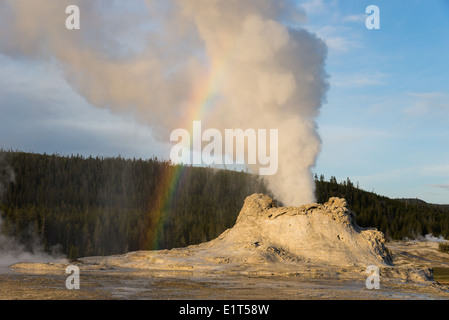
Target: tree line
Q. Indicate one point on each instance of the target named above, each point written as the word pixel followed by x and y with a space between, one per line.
pixel 103 206
pixel 396 218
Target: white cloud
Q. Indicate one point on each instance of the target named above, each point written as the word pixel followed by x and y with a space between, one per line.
pixel 40 112
pixel 336 29
pixel 440 186
pixel 313 6
pixel 359 79
pixel 341 136
pixel 338 38
pixel 338 44
pixel 431 103
pixel 358 18
pixel 438 170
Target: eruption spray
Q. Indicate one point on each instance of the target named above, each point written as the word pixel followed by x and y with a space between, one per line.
pixel 227 63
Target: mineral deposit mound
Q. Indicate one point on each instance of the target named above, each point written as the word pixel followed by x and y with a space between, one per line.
pixel 265 236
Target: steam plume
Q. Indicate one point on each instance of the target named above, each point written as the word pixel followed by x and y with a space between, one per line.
pixel 12 250
pixel 160 59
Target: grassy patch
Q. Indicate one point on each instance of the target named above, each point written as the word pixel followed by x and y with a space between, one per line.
pixel 441 275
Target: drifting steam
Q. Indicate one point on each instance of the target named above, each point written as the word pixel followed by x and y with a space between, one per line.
pixel 227 63
pixel 12 250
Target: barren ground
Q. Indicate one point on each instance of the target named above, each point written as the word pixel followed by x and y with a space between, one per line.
pixel 49 282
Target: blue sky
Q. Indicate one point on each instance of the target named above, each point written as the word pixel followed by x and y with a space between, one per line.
pixel 386 120
pixel 385 124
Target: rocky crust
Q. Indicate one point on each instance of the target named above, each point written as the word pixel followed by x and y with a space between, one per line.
pixel 317 233
pixel 267 238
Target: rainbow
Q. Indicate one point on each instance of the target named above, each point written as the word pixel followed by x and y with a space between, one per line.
pixel 170 183
pixel 199 107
